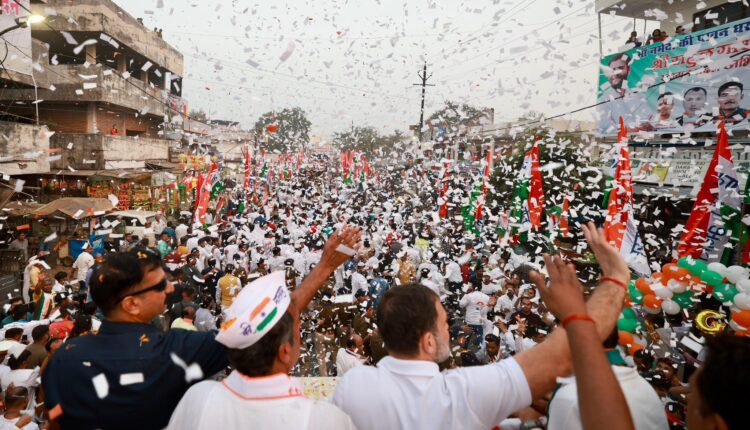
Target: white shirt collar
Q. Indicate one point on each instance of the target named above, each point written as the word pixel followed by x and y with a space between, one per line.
pixel 263 387
pixel 409 367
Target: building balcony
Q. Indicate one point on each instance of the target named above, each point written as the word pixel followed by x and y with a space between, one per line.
pixel 93 18
pixel 93 83
pixel 103 152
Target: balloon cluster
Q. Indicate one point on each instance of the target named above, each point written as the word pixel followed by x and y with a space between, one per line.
pixel 626 327
pixel 673 289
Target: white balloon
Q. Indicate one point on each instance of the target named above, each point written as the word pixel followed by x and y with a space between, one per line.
pixel 718 268
pixel 662 292
pixel 677 286
pixel 742 300
pixel 743 285
pixel 735 273
pixel 670 307
pixel 651 311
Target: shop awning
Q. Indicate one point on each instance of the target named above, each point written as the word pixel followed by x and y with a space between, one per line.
pixel 76 207
pixel 124 174
pixel 17 208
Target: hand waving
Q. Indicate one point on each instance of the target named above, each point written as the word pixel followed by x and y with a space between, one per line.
pixel 564 295
pixel 346 236
pixel 608 256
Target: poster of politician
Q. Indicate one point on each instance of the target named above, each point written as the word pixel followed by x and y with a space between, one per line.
pixel 684 84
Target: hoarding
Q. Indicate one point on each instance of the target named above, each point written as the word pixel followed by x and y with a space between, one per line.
pixel 684 84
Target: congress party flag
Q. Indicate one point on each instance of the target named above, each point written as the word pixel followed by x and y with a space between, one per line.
pixel 528 197
pixel 714 224
pixel 620 226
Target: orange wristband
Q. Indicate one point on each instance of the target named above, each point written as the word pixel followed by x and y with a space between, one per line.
pixel 576 317
pixel 614 281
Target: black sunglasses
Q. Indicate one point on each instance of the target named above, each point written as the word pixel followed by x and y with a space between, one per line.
pixel 161 286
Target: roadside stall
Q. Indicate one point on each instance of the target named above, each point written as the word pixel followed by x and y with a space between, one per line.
pixel 131 187
pixel 15 217
pixel 166 195
pixel 80 216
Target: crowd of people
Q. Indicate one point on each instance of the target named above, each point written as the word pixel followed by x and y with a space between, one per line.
pixel 425 324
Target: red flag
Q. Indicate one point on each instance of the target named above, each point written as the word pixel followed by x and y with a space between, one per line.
pixel 705 216
pixel 536 195
pixel 246 185
pixel 564 232
pixel 205 195
pixel 621 196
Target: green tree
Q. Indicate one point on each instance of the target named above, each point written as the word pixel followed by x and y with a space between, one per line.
pixel 453 115
pixel 198 115
pixel 566 165
pixel 364 139
pixel 292 129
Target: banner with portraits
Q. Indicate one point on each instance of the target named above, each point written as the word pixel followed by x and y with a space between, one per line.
pixel 684 84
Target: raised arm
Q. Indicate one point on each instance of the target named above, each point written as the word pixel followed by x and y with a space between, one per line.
pixel 600 398
pixel 329 261
pixel 551 358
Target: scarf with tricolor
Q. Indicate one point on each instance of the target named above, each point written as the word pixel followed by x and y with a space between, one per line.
pixel 43 306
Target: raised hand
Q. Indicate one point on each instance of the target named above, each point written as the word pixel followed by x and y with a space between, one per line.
pixel 332 256
pixel 609 258
pixel 564 296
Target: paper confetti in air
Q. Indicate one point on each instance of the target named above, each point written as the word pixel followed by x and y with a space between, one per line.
pixel 101 385
pixel 193 372
pixel 131 378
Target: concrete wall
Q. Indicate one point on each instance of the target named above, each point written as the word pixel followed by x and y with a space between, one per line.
pixel 126 121
pixel 92 151
pixel 230 150
pixel 118 148
pixel 24 149
pixel 106 17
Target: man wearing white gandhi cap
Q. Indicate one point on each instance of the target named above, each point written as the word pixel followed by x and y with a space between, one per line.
pixel 262 336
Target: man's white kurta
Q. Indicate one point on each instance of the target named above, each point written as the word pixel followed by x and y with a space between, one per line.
pixel 272 403
pixel 645 407
pixel 346 360
pixel 412 394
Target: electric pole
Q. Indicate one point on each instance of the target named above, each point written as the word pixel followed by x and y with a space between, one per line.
pixel 424 85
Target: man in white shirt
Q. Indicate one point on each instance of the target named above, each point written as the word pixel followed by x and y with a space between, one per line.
pixel 349 357
pixel 359 281
pixel 180 231
pixel 192 243
pixel 506 302
pixel 407 383
pixel 476 303
pixel 645 407
pixel 83 263
pixel 262 335
pixel 489 286
pixel 159 224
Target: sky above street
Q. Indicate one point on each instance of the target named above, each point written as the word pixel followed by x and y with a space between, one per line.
pixel 351 61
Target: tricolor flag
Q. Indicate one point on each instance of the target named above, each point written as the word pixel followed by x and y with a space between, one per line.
pixel 620 226
pixel 204 194
pixel 563 225
pixel 528 197
pixel 246 184
pixel 713 228
pixel 443 199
